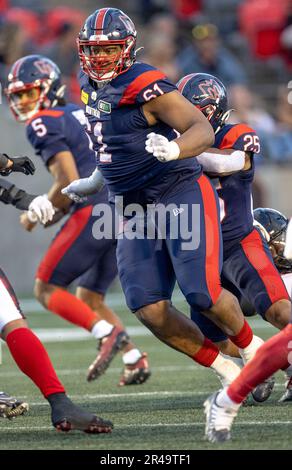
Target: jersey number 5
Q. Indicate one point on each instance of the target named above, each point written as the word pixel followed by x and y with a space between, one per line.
pixel 39 127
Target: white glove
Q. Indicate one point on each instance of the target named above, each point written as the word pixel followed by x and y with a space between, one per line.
pixel 79 189
pixel 161 147
pixel 40 210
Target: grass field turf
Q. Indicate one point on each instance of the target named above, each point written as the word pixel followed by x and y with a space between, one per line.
pixel 164 413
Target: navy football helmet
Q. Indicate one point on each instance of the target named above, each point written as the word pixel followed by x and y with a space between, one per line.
pixel 208 94
pixel 273 226
pixel 40 79
pixel 102 32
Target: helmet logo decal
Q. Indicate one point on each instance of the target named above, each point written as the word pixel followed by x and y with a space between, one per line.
pixel 43 66
pixel 127 22
pixel 209 88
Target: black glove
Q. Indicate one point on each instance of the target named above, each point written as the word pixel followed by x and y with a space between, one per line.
pixel 20 164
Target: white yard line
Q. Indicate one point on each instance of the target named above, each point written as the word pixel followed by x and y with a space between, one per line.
pixel 111 370
pixel 97 396
pixel 117 299
pixel 153 425
pixel 51 335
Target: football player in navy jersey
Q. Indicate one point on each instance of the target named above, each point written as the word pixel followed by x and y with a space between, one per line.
pixel 55 130
pixel 248 267
pixel 25 348
pixel 132 111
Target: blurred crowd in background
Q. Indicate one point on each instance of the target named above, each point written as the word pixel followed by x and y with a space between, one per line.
pixel 246 43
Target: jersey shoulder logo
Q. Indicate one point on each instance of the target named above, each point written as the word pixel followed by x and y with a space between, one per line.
pixel 104 106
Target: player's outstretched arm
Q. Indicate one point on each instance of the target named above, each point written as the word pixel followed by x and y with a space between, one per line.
pixel 79 189
pixel 223 162
pixel 16 164
pixel 39 207
pixel 196 133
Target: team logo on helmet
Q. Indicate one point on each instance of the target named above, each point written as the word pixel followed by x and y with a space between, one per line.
pixel 208 94
pixel 44 67
pixel 210 88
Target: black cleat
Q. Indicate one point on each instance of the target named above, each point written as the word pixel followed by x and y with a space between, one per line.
pixel 66 417
pixel 109 346
pixel 288 394
pixel 263 391
pixel 11 407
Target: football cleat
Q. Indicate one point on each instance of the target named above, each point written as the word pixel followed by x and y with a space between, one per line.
pixel 135 374
pixel 11 407
pixel 109 346
pixel 263 391
pixel 67 417
pixel 288 394
pixel 218 420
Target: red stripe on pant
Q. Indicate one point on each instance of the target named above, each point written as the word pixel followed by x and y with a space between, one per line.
pixel 63 241
pixel 253 248
pixel 212 237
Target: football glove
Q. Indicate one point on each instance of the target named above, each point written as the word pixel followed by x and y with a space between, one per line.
pixel 40 210
pixel 19 165
pixel 161 147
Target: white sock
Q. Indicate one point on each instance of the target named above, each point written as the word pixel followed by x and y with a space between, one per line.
pixel 132 356
pixel 249 352
pixel 226 369
pixel 237 360
pixel 224 400
pixel 101 328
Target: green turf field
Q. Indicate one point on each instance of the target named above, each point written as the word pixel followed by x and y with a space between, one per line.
pixel 164 413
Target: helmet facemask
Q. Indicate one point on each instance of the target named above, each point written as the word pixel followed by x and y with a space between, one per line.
pixel 105 67
pixel 211 111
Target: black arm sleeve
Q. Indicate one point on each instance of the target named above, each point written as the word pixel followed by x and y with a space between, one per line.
pixel 11 194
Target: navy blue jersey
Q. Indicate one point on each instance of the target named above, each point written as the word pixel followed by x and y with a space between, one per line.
pixel 235 191
pixel 118 130
pixel 60 129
